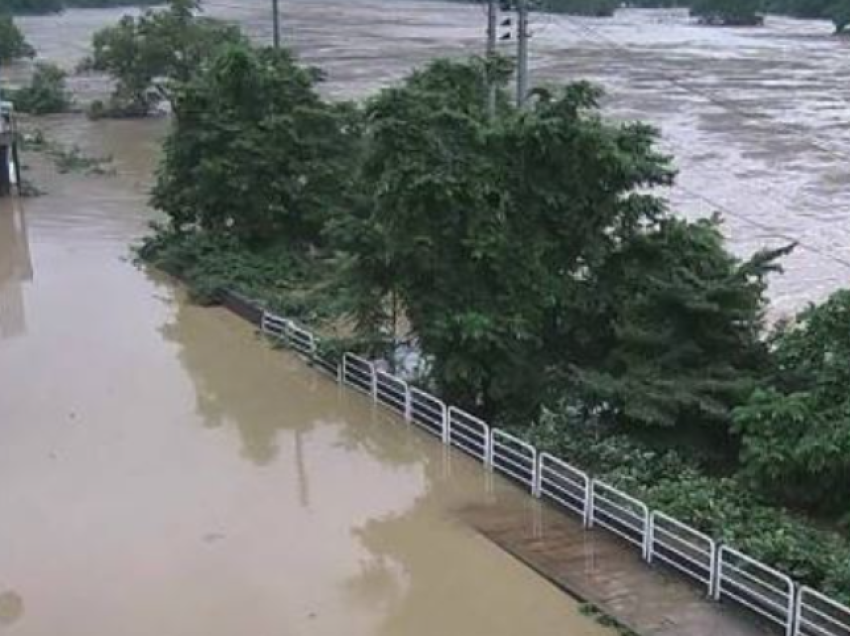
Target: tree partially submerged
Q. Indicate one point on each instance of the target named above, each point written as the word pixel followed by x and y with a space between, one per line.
pixel 529 257
pixel 46 93
pixel 254 151
pixel 13 45
pixel 145 55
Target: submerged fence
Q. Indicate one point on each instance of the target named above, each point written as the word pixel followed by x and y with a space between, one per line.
pixel 726 574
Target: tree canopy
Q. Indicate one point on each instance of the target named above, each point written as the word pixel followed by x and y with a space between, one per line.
pixel 145 54
pixel 13 45
pixel 255 151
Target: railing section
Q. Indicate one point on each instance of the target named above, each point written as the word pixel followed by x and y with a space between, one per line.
pixel 756 586
pixel 513 457
pixel 819 615
pixel 564 484
pixel 620 513
pixel 469 434
pixel 392 392
pixel 274 326
pixel 680 546
pixel 358 373
pixel 429 413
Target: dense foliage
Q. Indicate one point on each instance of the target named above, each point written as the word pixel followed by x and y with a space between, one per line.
pixel 255 152
pixel 46 92
pixel 145 54
pixel 796 432
pixel 13 45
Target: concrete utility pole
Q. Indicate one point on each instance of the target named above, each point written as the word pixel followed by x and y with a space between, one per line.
pixel 492 27
pixel 522 53
pixel 276 20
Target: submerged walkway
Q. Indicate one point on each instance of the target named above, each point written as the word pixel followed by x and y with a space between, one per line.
pixel 598 568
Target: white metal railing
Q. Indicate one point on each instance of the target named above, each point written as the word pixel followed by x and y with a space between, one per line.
pixel 429 413
pixel 564 484
pixel 818 615
pixel 728 574
pixel 300 339
pixel 756 586
pixel 469 434
pixel 513 457
pixel 359 373
pixel 620 513
pixel 274 326
pixel 680 546
pixel 392 392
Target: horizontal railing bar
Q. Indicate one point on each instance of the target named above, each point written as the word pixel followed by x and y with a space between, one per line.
pixel 702 578
pixel 517 465
pixel 780 607
pixel 625 535
pixel 752 577
pixel 682 555
pixel 830 619
pixel 782 620
pixel 524 452
pixel 707 551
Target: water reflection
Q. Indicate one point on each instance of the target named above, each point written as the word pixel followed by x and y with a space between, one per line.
pixel 15 268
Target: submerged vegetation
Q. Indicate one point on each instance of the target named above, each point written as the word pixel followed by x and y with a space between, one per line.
pixel 46 93
pixel 13 45
pixel 145 55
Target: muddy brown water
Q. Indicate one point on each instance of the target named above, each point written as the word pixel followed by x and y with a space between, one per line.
pixel 162 471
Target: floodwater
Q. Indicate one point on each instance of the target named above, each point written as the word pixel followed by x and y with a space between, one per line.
pixel 163 471
pixel 758 119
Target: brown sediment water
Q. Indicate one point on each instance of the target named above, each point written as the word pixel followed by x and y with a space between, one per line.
pixel 163 471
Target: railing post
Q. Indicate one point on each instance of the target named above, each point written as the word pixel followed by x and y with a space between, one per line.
pixel 648 537
pixel 537 488
pixel 718 573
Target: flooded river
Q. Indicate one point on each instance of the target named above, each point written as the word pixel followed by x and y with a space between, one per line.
pixel 758 118
pixel 164 472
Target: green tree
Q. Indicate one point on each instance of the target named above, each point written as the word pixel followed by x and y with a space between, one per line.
pixel 254 151
pixel 681 344
pixel 145 54
pixel 13 45
pixel 796 432
pixel 528 257
pixel 46 92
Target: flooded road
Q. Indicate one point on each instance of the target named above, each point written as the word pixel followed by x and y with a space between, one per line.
pixel 757 118
pixel 163 471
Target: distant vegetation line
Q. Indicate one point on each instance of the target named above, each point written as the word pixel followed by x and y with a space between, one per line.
pixel 720 12
pixel 54 6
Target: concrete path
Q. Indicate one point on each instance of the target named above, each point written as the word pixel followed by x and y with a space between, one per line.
pixel 599 568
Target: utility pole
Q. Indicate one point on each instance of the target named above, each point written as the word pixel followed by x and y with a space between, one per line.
pixel 522 53
pixel 492 27
pixel 276 20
